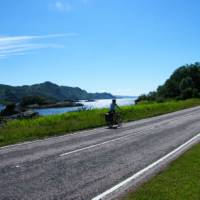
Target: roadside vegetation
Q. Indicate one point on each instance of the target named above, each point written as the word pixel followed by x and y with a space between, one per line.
pixel 181 181
pixel 22 130
pixel 184 83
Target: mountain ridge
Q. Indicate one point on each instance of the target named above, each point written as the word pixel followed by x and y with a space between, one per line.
pixel 49 91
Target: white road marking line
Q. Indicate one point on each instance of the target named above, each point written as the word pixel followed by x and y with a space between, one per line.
pixel 113 140
pixel 106 142
pixel 95 145
pixel 151 166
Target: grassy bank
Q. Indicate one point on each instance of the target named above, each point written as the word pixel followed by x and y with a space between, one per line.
pixel 181 181
pixel 23 130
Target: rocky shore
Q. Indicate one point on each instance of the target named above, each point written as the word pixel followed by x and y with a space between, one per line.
pixel 13 111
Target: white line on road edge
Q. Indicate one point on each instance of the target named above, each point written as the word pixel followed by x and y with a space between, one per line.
pixel 179 150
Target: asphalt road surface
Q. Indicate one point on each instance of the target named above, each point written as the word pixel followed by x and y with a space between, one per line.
pixel 81 166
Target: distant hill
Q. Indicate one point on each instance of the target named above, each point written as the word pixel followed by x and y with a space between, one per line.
pixel 47 90
pixel 184 83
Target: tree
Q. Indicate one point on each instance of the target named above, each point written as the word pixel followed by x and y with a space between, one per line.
pixel 9 96
pixel 30 100
pixel 184 83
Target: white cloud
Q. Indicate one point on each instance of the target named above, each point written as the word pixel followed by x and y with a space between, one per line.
pixel 61 6
pixel 20 45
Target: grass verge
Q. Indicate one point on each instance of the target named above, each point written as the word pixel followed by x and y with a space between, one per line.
pixel 181 180
pixel 22 130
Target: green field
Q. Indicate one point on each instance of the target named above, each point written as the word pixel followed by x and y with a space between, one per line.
pixel 22 130
pixel 181 181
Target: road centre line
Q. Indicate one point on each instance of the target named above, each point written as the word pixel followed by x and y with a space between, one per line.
pixel 106 142
pixel 129 134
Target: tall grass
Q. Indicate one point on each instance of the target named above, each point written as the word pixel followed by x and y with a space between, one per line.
pixel 142 111
pixel 23 130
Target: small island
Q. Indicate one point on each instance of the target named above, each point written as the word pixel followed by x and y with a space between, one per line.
pixel 25 108
pixel 37 102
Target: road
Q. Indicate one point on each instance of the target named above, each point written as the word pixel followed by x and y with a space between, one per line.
pixel 82 165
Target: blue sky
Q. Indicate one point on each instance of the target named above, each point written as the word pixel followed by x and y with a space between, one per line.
pixel 120 46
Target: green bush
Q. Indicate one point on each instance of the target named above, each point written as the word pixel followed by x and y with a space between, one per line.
pixel 184 83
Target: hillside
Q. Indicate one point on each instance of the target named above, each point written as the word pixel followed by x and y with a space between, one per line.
pixel 49 91
pixel 184 83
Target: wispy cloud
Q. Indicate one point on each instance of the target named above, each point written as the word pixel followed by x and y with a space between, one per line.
pixel 61 6
pixel 20 45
